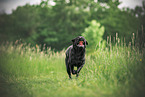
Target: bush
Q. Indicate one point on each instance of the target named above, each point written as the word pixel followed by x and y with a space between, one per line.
pixel 93 35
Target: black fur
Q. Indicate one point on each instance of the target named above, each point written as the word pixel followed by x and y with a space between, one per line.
pixel 75 56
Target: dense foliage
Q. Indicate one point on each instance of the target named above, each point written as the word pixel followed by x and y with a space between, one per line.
pixel 56 25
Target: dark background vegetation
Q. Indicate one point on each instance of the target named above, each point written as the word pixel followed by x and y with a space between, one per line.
pixel 56 25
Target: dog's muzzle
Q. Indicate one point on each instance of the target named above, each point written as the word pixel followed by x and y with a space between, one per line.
pixel 81 45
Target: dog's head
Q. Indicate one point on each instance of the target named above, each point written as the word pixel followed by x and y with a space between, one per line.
pixel 79 42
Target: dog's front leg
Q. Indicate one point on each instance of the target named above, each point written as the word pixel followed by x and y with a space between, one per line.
pixel 69 70
pixel 78 70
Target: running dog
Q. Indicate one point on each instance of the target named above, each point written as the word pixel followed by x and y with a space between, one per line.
pixel 75 56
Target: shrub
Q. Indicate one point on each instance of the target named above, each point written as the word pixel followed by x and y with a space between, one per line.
pixel 93 35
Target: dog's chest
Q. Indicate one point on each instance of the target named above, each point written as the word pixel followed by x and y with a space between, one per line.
pixel 77 58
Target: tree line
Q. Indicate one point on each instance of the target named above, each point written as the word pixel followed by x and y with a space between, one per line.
pixel 55 25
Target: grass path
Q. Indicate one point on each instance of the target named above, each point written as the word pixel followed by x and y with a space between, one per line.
pixel 27 72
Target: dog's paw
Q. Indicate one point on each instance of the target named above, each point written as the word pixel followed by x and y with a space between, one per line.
pixel 70 77
pixel 77 75
pixel 74 72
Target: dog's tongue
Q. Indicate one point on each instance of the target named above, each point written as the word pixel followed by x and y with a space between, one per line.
pixel 80 42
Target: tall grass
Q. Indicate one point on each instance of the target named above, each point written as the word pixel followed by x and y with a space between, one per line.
pixel 118 70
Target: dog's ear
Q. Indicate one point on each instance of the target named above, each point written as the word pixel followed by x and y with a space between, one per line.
pixel 86 42
pixel 73 40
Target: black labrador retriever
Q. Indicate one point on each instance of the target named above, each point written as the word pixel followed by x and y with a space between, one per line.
pixel 75 55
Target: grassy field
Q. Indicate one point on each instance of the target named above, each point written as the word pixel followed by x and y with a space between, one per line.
pixel 26 71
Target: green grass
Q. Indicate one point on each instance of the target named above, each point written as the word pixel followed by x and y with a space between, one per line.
pixel 28 72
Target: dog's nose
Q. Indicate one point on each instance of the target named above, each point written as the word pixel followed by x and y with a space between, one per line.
pixel 81 43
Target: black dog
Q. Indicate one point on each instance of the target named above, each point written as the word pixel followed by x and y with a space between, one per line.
pixel 75 55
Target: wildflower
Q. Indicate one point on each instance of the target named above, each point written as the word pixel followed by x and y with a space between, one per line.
pixel 99 67
pixel 140 59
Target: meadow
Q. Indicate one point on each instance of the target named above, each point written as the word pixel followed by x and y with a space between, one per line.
pixel 116 71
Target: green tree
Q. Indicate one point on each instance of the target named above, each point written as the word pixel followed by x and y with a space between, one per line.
pixel 114 19
pixel 56 25
pixel 139 12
